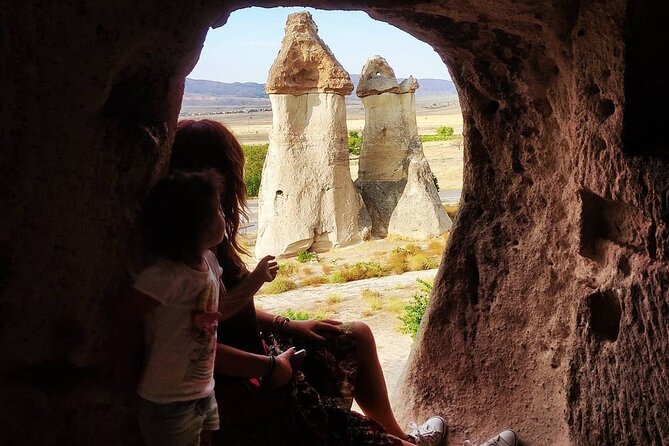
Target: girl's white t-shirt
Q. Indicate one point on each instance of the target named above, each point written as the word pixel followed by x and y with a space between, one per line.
pixel 179 334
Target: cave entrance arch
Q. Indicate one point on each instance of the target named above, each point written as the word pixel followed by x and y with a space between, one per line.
pixel 249 118
pixel 551 309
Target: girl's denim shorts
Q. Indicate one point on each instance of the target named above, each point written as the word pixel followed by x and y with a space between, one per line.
pixel 177 424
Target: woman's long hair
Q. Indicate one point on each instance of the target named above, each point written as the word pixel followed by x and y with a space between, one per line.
pixel 206 144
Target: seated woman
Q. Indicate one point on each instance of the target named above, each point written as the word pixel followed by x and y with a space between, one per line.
pixel 261 399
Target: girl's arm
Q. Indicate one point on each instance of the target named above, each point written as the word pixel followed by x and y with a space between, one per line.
pixel 127 337
pixel 231 301
pixel 234 362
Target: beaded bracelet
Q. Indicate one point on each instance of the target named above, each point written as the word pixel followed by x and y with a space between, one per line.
pixel 279 323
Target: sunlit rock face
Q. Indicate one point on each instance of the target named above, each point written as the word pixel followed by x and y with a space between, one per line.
pixel 394 178
pixel 307 200
pixel 551 306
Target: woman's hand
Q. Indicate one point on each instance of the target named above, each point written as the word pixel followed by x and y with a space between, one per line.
pixel 283 371
pixel 313 330
pixel 266 269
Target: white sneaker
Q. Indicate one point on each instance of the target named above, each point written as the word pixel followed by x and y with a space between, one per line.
pixel 504 438
pixel 430 433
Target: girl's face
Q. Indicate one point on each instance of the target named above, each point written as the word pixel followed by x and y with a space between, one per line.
pixel 214 231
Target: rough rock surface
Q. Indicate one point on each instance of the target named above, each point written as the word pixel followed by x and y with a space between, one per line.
pixel 551 307
pixel 307 200
pixel 394 178
pixel 305 63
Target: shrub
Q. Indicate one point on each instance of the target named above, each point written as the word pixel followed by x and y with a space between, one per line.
pixel 305 256
pixel 296 315
pixel 254 160
pixel 413 311
pixel 354 142
pixel 444 131
pixel 286 269
pixel 363 270
pixel 435 181
pixel 279 285
pixel 303 315
pixel 314 280
pixel 336 277
pixel 420 262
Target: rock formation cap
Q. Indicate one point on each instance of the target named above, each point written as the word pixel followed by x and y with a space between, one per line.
pixel 377 77
pixel 305 63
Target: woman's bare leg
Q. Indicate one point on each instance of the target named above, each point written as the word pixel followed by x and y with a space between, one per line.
pixel 371 391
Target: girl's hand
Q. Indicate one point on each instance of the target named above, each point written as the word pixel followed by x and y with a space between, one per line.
pixel 283 371
pixel 266 269
pixel 313 330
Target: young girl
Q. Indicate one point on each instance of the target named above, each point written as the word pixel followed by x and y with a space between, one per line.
pixel 178 299
pixel 261 401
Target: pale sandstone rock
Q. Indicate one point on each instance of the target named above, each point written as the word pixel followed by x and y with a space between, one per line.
pixel 305 63
pixel 394 177
pixel 307 199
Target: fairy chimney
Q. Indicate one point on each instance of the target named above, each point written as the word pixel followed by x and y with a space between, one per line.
pixel 307 200
pixel 394 177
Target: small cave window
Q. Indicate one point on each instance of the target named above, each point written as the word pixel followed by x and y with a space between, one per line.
pixel 605 314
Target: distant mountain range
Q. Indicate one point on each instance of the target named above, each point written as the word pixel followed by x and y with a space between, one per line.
pixel 212 93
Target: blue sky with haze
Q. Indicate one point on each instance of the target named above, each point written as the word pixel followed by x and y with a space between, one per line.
pixel 243 49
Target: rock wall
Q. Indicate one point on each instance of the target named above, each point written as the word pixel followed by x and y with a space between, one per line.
pixel 394 177
pixel 551 307
pixel 307 200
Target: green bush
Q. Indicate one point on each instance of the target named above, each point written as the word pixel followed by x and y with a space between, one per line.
pixel 444 131
pixel 413 311
pixel 301 315
pixel 441 134
pixel 296 315
pixel 254 160
pixel 354 142
pixel 306 256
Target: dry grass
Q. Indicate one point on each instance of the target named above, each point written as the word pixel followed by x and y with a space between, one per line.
pixel 394 305
pixel 278 286
pixel 286 269
pixel 420 262
pixel 313 280
pixel 436 246
pixel 451 210
pixel 373 298
pixel 335 298
pixel 307 271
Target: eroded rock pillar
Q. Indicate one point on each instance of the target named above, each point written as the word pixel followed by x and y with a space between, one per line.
pixel 394 177
pixel 307 199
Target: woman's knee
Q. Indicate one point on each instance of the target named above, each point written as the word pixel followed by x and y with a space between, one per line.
pixel 362 332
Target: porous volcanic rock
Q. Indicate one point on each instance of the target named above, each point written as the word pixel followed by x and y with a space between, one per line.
pixel 394 177
pixel 307 200
pixel 551 306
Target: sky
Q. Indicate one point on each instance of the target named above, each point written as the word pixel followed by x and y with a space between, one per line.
pixel 244 48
